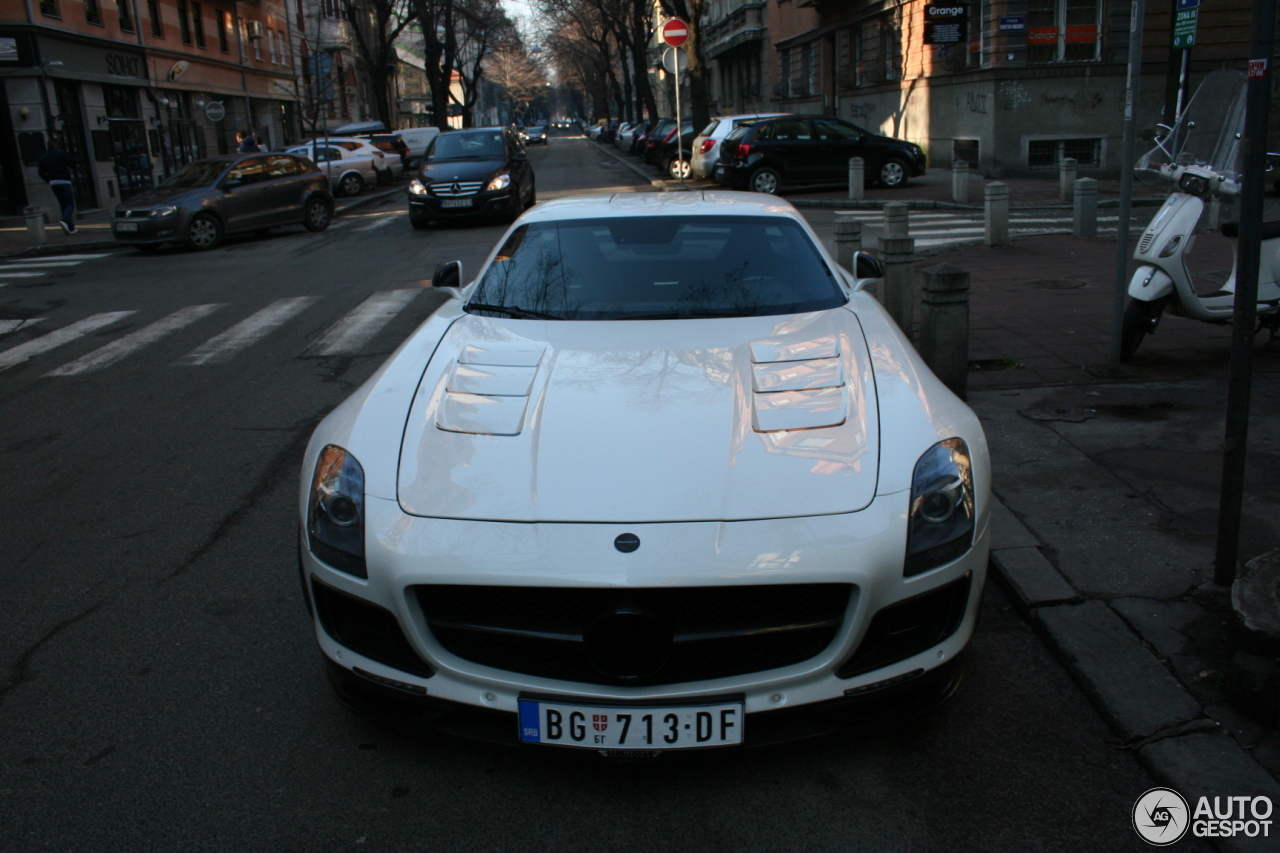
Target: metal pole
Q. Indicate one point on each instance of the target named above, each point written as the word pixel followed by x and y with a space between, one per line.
pixel 1182 84
pixel 1248 252
pixel 1136 12
pixel 675 60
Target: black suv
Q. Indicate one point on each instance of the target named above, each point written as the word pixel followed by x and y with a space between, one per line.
pixel 767 154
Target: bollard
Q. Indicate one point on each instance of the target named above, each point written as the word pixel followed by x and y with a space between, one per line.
pixel 1066 178
pixel 898 255
pixel 857 183
pixel 960 182
pixel 997 214
pixel 35 225
pixel 895 219
pixel 1084 222
pixel 848 240
pixel 944 325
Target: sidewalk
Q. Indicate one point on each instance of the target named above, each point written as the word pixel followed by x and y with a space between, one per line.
pixel 93 229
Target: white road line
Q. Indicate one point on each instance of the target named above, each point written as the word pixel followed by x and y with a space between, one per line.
pixel 364 321
pixel 119 349
pixel 80 257
pixel 40 264
pixel 21 274
pixel 57 338
pixel 7 326
pixel 247 332
pixel 387 220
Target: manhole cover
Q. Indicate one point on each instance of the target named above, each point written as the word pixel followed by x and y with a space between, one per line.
pixel 1057 283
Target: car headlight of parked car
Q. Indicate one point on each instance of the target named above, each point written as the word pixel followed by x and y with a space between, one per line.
pixel 335 513
pixel 940 527
pixel 416 187
pixel 499 182
pixel 168 210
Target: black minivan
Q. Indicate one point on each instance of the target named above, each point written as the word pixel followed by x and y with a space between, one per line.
pixel 764 155
pixel 475 172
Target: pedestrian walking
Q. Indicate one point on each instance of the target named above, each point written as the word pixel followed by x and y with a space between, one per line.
pixel 248 142
pixel 57 168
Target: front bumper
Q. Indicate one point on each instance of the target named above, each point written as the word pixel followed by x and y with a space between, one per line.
pixel 484 203
pixel 164 229
pixel 863 549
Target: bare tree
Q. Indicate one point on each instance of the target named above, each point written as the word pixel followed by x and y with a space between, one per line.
pixel 512 68
pixel 375 26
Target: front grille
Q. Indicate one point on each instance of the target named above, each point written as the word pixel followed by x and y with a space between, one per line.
pixel 366 628
pixel 455 188
pixel 909 627
pixel 635 636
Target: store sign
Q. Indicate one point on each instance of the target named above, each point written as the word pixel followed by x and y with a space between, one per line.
pixel 1013 24
pixel 215 111
pixel 945 24
pixel 124 65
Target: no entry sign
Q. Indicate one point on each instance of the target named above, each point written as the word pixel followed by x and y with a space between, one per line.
pixel 675 32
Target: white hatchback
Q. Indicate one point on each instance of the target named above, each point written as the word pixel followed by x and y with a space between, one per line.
pixel 661 477
pixel 706 145
pixel 351 167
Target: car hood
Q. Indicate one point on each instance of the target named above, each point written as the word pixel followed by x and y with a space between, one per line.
pixel 162 195
pixel 643 421
pixel 459 170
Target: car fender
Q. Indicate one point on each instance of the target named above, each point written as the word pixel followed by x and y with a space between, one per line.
pixel 1149 284
pixel 370 423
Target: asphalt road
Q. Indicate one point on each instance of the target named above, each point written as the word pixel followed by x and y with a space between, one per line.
pixel 160 688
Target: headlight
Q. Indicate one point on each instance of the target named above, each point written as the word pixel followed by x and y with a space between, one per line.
pixel 416 187
pixel 940 527
pixel 1194 184
pixel 164 211
pixel 500 182
pixel 335 513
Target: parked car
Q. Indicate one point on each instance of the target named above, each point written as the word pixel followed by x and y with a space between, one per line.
pixel 415 138
pixel 394 148
pixel 768 154
pixel 619 494
pixel 349 171
pixel 664 130
pixel 418 139
pixel 641 137
pixel 363 146
pixel 537 134
pixel 706 146
pixel 476 172
pixel 226 195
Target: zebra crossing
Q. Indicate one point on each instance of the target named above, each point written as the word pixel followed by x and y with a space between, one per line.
pixel 935 229
pixel 347 336
pixel 29 268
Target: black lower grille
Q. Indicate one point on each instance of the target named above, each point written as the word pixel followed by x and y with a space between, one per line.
pixel 366 628
pixel 635 636
pixel 909 627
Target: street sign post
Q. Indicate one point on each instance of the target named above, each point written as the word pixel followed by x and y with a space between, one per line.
pixel 675 32
pixel 675 60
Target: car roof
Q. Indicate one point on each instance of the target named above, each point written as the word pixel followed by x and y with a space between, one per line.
pixel 698 203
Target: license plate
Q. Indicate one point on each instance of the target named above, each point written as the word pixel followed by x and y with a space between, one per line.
pixel 126 226
pixel 655 727
pixel 456 202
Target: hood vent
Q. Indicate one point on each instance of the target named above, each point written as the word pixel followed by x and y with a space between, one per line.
pixel 797 385
pixel 488 388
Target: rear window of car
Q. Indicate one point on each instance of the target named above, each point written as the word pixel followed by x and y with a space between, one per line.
pixel 657 268
pixel 710 128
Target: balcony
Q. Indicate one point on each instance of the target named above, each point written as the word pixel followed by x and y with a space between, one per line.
pixel 743 23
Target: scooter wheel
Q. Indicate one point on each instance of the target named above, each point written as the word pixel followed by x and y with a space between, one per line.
pixel 1140 320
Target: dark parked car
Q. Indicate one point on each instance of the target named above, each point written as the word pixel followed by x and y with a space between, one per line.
pixel 225 195
pixel 656 136
pixel 765 155
pixel 477 172
pixel 674 159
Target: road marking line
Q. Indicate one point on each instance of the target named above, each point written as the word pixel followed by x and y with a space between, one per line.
pixel 386 220
pixel 364 321
pixel 57 338
pixel 40 264
pixel 247 332
pixel 7 326
pixel 81 257
pixel 22 274
pixel 119 349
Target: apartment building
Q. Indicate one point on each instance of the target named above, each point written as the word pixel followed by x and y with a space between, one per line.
pixel 136 89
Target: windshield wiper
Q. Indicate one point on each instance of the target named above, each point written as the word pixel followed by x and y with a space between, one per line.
pixel 518 313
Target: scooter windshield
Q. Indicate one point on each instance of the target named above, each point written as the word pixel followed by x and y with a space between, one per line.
pixel 1207 133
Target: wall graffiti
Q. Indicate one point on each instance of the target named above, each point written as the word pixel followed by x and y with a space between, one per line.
pixel 977 103
pixel 864 110
pixel 1013 95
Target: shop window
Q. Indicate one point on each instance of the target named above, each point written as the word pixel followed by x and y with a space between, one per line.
pixel 1064 30
pixel 197 24
pixel 124 16
pixel 224 27
pixel 184 22
pixel 121 102
pixel 93 12
pixel 1045 153
pixel 50 8
pixel 153 12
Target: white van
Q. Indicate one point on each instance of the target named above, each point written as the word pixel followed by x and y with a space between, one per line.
pixel 418 139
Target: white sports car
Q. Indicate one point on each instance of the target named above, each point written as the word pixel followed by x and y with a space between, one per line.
pixel 663 476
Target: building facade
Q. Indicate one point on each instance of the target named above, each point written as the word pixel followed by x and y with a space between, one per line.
pixel 136 89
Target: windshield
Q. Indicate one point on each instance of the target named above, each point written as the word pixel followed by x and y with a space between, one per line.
pixel 657 268
pixel 485 144
pixel 1208 131
pixel 199 174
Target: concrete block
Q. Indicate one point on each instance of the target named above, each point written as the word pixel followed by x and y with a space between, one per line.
pixel 1131 687
pixel 1007 531
pixel 1032 577
pixel 1212 765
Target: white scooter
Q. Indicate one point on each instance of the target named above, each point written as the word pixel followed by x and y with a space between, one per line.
pixel 1199 157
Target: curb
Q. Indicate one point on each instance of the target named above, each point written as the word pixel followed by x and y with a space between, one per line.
pixel 1154 715
pixel 364 200
pixel 613 152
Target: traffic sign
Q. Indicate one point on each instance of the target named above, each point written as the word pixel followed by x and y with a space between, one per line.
pixel 674 59
pixel 1184 27
pixel 675 32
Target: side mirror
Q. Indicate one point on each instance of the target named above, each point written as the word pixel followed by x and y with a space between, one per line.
pixel 867 266
pixel 448 274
